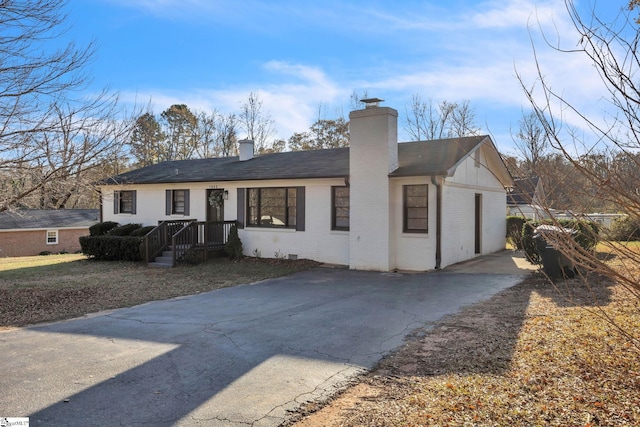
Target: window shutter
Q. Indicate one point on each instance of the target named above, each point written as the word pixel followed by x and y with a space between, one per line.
pixel 186 202
pixel 133 201
pixel 240 210
pixel 300 209
pixel 116 202
pixel 168 203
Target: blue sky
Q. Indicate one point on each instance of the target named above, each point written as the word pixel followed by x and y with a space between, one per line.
pixel 299 55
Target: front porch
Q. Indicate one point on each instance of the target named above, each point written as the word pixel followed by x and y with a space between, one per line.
pixel 171 241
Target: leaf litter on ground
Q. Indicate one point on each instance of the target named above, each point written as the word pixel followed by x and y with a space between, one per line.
pixel 535 354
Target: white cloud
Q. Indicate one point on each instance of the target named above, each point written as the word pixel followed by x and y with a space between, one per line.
pixel 469 53
pixel 519 13
pixel 293 104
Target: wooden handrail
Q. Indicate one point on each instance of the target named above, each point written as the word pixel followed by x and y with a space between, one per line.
pixel 155 241
pixel 159 238
pixel 183 240
pixel 184 235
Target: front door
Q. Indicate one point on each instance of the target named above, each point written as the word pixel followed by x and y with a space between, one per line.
pixel 215 205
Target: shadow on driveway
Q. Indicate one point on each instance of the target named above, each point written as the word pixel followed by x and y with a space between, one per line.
pixel 237 356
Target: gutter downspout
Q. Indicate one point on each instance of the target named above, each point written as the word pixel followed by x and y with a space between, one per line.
pixel 438 186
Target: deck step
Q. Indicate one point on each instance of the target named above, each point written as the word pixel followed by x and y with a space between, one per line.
pixel 164 259
pixel 159 265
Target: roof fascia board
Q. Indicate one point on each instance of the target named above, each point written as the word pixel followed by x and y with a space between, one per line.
pixel 289 178
pixel 6 230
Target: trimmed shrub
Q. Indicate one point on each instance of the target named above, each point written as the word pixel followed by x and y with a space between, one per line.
pixel 528 242
pixel 233 247
pixel 112 248
pixel 124 230
pixel 514 230
pixel 625 230
pixel 142 231
pixel 102 228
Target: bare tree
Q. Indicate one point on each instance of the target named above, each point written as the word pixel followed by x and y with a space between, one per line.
pixel 355 99
pixel 530 141
pixel 49 133
pixel 207 138
pixel 256 122
pixel 227 132
pixel 58 166
pixel 427 121
pixel 216 134
pixel 612 50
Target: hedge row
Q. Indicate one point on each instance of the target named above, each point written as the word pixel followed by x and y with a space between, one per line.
pixel 514 230
pixel 113 248
pixel 110 241
pixel 626 229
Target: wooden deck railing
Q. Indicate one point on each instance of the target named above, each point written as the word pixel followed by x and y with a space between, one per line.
pixel 182 236
pixel 159 239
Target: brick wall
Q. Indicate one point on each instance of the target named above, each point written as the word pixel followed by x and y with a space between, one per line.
pixel 373 153
pixel 32 242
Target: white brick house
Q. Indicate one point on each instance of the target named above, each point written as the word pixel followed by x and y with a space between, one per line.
pixel 377 205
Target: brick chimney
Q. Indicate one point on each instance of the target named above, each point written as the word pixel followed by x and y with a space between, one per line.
pixel 373 154
pixel 245 149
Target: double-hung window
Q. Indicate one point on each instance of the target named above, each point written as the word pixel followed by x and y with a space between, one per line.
pixel 124 202
pixel 416 208
pixel 177 202
pixel 52 237
pixel 340 208
pixel 272 207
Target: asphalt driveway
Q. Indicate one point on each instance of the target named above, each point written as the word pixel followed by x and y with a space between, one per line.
pixel 232 357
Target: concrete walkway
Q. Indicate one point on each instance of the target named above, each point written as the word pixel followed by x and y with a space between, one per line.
pixel 232 357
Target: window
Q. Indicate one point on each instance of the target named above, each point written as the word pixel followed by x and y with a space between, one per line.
pixel 52 237
pixel 177 202
pixel 416 208
pixel 272 207
pixel 124 202
pixel 340 208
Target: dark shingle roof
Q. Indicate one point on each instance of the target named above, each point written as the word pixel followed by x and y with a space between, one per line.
pixel 415 159
pixel 523 192
pixel 288 165
pixel 45 218
pixel 433 157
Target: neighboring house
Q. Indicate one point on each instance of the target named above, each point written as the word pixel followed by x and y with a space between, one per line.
pixel 26 232
pixel 377 205
pixel 605 220
pixel 527 198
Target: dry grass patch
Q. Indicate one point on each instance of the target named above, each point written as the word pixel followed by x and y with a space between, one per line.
pixel 48 288
pixel 535 354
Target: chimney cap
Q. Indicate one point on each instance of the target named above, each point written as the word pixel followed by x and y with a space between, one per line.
pixel 371 102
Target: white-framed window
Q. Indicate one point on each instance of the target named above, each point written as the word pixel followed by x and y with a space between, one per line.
pixel 52 237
